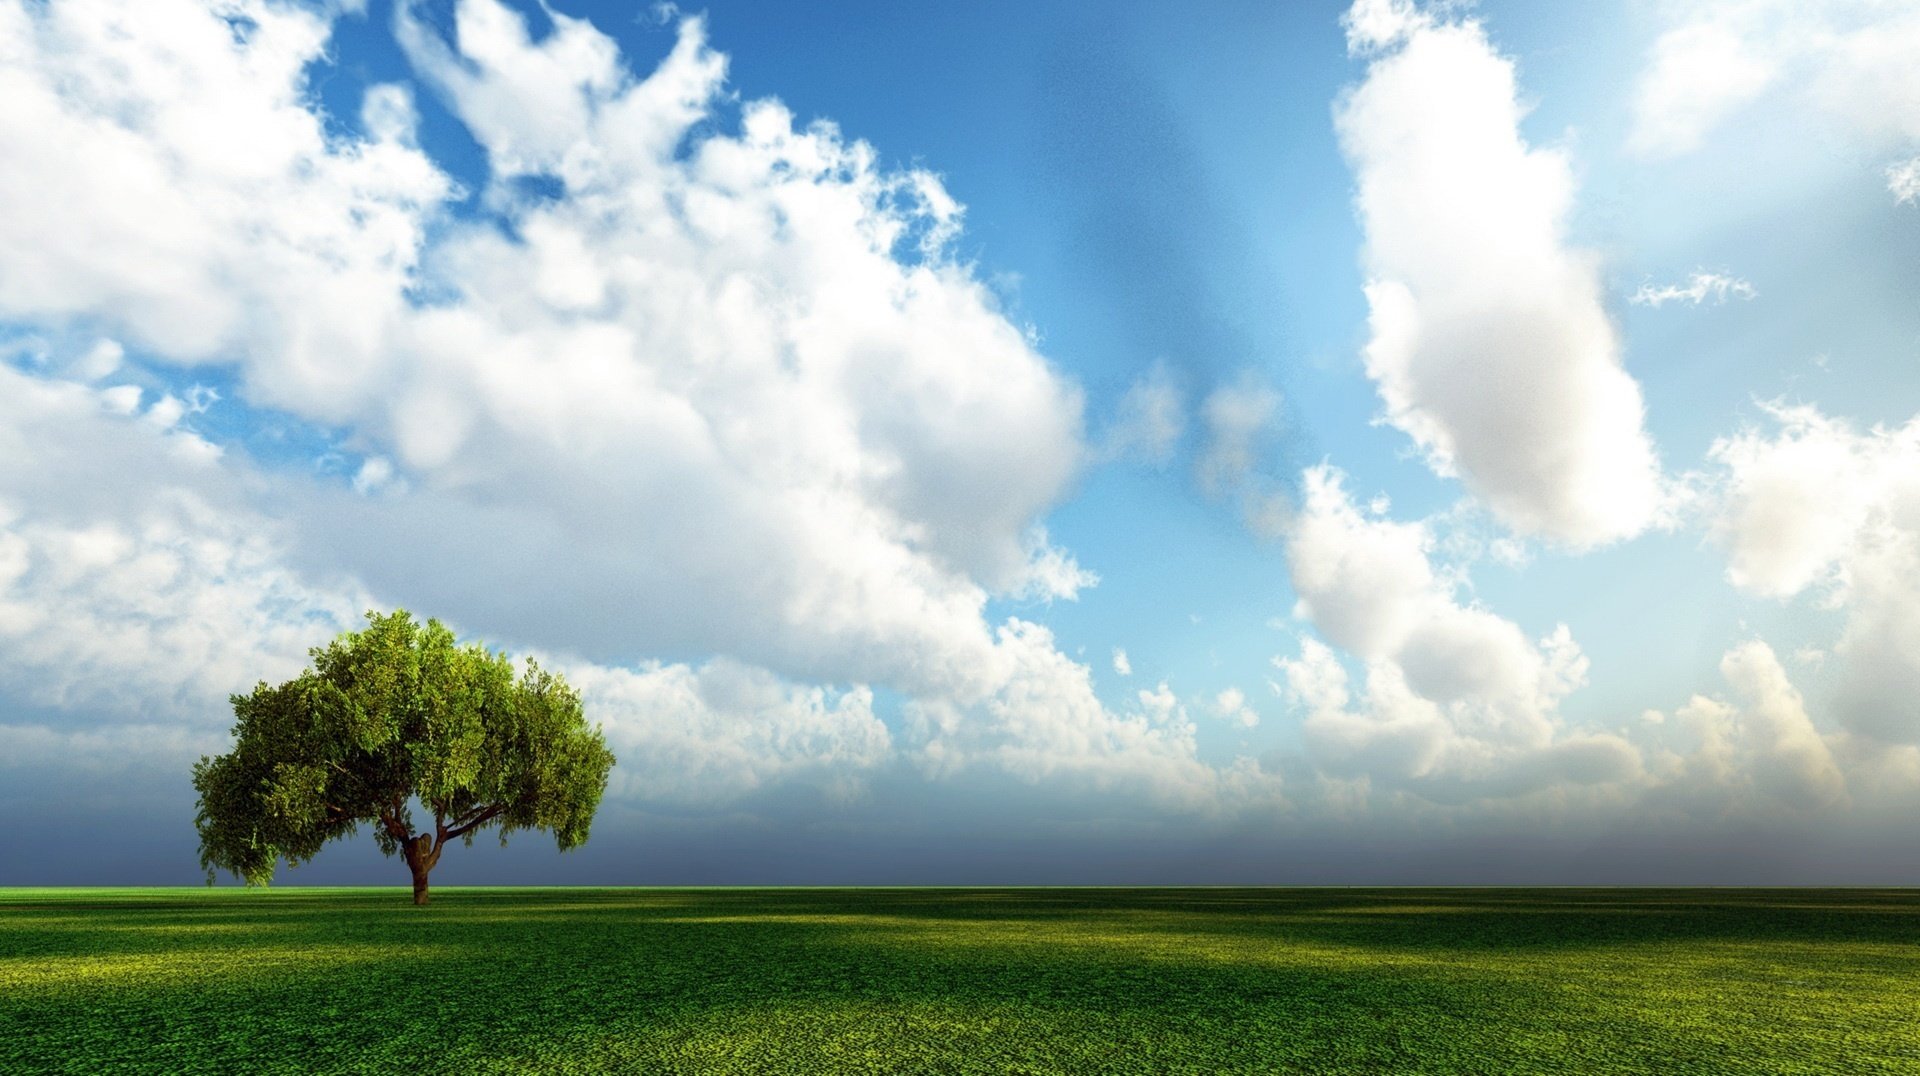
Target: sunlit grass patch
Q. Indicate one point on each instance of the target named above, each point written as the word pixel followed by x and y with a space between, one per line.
pixel 137 971
pixel 960 981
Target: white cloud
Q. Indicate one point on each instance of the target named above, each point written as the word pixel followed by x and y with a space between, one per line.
pixel 1236 416
pixel 375 473
pixel 1699 287
pixel 1043 722
pixel 1760 746
pixel 1850 60
pixel 1051 572
pixel 707 736
pixel 727 365
pixel 1373 25
pixel 829 478
pixel 1792 761
pixel 1903 181
pixel 1813 504
pixel 1698 74
pixel 1120 663
pixel 167 181
pixel 1491 346
pixel 1457 701
pixel 1150 419
pixel 1231 706
pixel 134 580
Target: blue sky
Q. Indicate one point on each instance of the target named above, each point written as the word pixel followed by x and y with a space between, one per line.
pixel 1487 432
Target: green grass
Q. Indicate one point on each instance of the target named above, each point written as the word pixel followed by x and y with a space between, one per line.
pixel 960 981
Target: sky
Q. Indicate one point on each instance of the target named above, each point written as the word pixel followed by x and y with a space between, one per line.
pixel 988 443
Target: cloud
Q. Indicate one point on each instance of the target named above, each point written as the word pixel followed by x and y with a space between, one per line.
pixel 1051 573
pixel 1903 181
pixel 830 477
pixel 1231 706
pixel 1236 416
pixel 1149 421
pixel 1698 74
pixel 1457 703
pixel 1811 504
pixel 1120 663
pixel 1850 60
pixel 1373 25
pixel 1758 752
pixel 239 230
pixel 709 735
pixel 1043 722
pixel 1699 287
pixel 135 582
pixel 1490 343
pixel 714 386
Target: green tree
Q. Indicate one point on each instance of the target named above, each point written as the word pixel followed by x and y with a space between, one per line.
pixel 387 717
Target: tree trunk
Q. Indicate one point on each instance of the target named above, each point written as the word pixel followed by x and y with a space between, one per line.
pixel 419 861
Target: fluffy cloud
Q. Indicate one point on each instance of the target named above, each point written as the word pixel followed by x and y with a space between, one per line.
pixel 1121 664
pixel 1811 504
pixel 167 180
pixel 709 735
pixel 1699 287
pixel 830 474
pixel 140 585
pixel 1044 722
pixel 134 582
pixel 1850 59
pixel 1231 706
pixel 1762 742
pixel 725 363
pixel 1458 702
pixel 1491 346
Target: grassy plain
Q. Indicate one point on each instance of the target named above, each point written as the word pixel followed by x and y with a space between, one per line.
pixel 960 981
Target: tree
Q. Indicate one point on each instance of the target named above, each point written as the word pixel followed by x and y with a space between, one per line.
pixel 386 717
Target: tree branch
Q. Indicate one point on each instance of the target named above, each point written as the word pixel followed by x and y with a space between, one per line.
pixel 485 815
pixel 392 822
pixel 473 812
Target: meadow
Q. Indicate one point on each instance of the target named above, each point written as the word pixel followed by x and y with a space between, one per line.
pixel 960 981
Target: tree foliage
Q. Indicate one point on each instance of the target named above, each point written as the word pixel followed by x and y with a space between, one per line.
pixel 392 716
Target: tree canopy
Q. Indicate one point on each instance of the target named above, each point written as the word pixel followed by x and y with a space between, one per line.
pixel 394 716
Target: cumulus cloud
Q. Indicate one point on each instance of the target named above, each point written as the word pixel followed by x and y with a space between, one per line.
pixel 1490 344
pixel 1457 701
pixel 1231 706
pixel 167 180
pixel 1044 722
pixel 1757 752
pixel 134 581
pixel 1699 288
pixel 709 735
pixel 140 585
pixel 723 361
pixel 1121 664
pixel 1812 504
pixel 830 475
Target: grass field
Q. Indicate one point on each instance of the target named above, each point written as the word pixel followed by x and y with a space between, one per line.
pixel 960 981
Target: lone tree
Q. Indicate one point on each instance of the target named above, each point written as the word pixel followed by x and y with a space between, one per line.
pixel 390 716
